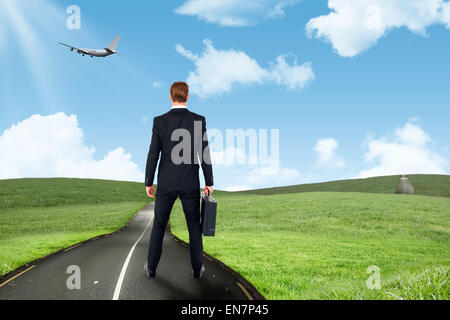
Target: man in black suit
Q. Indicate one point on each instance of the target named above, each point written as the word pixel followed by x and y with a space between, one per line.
pixel 180 137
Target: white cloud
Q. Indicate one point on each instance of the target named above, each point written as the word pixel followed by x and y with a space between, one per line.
pixel 272 176
pixel 235 13
pixel 239 178
pixel 228 157
pixel 53 146
pixel 218 70
pixel 355 25
pixel 157 84
pixel 408 151
pixel 237 188
pixel 446 14
pixel 327 156
pixel 292 76
pixel 234 171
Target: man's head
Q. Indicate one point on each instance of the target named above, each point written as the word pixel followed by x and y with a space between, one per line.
pixel 179 93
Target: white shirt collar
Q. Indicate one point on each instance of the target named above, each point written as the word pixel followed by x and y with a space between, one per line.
pixel 179 107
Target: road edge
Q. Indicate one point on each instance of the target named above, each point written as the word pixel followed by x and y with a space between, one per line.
pixel 255 294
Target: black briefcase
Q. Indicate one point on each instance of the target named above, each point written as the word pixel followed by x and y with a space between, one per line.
pixel 208 213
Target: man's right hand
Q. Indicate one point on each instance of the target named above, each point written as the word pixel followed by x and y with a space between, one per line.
pixel 151 191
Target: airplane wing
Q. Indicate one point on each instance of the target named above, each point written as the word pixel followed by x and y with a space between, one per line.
pixel 73 48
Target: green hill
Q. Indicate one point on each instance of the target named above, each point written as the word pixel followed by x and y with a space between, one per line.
pixel 42 216
pixel 311 242
pixel 428 185
pixel 21 193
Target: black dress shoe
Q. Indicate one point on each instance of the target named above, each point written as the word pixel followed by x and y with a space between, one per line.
pixel 150 273
pixel 198 275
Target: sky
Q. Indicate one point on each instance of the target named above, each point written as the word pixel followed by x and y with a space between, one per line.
pixel 355 88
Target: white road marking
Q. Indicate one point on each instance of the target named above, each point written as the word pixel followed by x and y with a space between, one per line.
pixel 125 265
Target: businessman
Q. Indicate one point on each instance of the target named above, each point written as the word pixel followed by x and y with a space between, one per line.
pixel 179 137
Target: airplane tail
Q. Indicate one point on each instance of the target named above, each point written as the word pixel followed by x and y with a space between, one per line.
pixel 112 46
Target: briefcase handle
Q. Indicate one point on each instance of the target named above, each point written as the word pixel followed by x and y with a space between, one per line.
pixel 209 195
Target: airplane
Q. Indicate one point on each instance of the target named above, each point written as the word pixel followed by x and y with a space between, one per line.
pixel 109 50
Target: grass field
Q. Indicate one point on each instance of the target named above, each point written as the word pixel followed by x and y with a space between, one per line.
pixel 301 243
pixel 41 216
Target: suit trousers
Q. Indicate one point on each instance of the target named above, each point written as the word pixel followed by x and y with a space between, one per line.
pixel 190 200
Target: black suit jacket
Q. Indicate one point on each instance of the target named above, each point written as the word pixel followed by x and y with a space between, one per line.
pixel 169 135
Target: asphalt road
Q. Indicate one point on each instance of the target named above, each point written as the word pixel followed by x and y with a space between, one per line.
pixel 111 267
